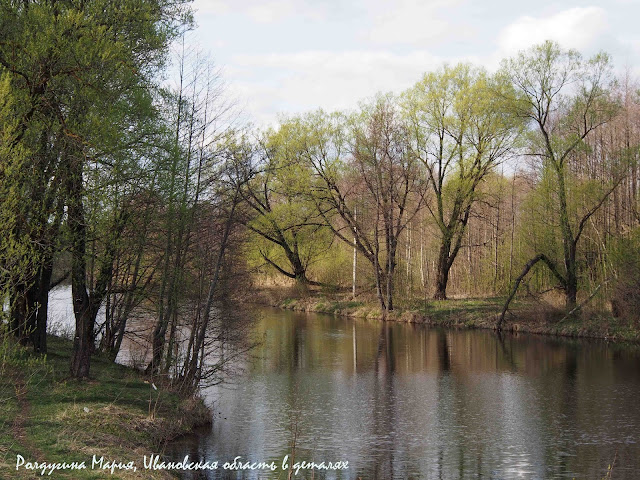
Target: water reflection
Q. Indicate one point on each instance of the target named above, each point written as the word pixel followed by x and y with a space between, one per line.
pixel 401 401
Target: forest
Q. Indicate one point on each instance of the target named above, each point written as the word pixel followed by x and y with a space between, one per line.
pixel 152 199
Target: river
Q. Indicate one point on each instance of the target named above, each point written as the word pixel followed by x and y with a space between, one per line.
pixel 403 401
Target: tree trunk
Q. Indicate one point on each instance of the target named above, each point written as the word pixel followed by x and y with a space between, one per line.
pixel 527 267
pixel 391 268
pixel 379 282
pixel 568 241
pixel 40 334
pixel 28 319
pixel 18 308
pixel 571 289
pixel 85 305
pixel 442 274
pixel 299 271
pixel 390 291
pixel 83 338
pixel 193 365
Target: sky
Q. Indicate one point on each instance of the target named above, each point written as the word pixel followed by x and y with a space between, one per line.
pixel 283 57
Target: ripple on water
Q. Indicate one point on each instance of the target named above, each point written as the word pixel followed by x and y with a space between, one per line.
pixel 400 401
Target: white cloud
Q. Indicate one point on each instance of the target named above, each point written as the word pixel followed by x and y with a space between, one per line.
pixel 628 55
pixel 211 7
pixel 297 55
pixel 297 82
pixel 261 11
pixel 414 22
pixel 577 28
pixel 276 10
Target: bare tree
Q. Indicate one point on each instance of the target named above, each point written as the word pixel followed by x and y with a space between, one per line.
pixel 372 147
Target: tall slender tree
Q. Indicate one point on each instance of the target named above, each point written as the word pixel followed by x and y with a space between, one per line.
pixel 566 101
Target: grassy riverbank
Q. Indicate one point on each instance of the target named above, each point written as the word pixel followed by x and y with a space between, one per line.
pixel 47 417
pixel 524 316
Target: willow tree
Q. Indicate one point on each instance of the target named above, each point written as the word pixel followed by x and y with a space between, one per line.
pixel 460 129
pixel 32 139
pixel 19 256
pixel 566 100
pixel 289 235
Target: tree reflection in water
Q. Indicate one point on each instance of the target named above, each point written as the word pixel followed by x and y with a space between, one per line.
pixel 402 401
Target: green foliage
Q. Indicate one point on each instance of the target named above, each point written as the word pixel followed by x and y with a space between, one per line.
pixel 461 125
pixel 288 232
pixel 566 101
pixel 81 77
pixel 625 258
pixel 335 268
pixel 18 255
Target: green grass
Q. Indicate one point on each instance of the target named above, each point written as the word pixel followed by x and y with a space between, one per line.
pixel 524 316
pixel 601 325
pixel 47 416
pixel 474 309
pixel 288 302
pixel 333 306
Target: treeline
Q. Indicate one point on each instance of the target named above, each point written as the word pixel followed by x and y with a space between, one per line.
pixel 468 182
pixel 151 204
pixel 114 183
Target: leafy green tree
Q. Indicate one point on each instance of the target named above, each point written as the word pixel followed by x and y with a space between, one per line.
pixel 281 213
pixel 565 100
pixel 460 129
pixel 83 68
pixel 18 255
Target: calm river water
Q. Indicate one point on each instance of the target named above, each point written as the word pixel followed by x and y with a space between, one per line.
pixel 402 401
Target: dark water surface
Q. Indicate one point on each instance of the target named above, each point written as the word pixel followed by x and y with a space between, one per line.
pixel 402 401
